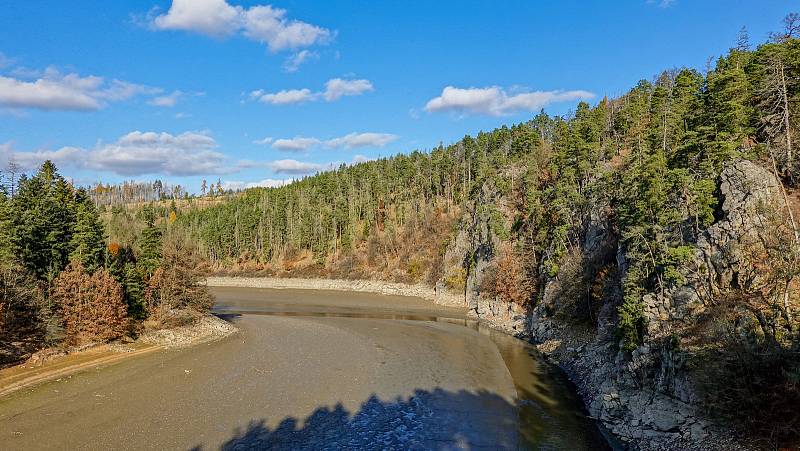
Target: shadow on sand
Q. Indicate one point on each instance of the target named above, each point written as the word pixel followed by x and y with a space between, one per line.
pixel 428 420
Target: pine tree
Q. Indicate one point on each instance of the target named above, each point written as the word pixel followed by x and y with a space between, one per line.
pixel 88 239
pixel 134 292
pixel 149 245
pixel 44 218
pixel 8 252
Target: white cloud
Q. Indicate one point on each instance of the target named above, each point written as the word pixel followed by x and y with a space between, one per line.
pixel 294 167
pixel 169 100
pixel 32 160
pixel 270 26
pixel 496 102
pixel 140 153
pixel 48 94
pixel 266 183
pixel 286 97
pixel 265 141
pixel 296 144
pixel 356 140
pixel 349 141
pixel 72 92
pixel 261 23
pixel 337 87
pixel 293 63
pixel 210 17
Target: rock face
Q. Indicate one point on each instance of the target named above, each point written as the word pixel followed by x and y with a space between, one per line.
pixel 645 397
pixel 746 189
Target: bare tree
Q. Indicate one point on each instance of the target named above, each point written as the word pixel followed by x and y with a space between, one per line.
pixel 743 40
pixel 776 121
pixel 791 28
pixel 13 169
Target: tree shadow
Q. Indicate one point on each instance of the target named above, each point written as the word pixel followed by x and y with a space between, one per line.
pixel 428 420
pixel 227 316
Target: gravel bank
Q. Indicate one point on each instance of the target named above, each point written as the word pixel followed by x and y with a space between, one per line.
pixel 208 328
pixel 440 297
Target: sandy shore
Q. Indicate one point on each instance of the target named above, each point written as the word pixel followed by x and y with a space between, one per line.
pixel 440 297
pixel 64 364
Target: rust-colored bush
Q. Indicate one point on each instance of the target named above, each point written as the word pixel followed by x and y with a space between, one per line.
pixel 92 305
pixel 507 280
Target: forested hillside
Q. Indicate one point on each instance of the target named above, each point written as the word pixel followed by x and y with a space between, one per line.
pixel 506 214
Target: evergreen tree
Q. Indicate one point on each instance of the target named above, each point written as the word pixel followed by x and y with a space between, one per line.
pixel 149 244
pixel 88 239
pixel 43 213
pixel 134 292
pixel 8 251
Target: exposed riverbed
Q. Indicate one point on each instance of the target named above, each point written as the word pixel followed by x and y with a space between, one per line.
pixel 314 370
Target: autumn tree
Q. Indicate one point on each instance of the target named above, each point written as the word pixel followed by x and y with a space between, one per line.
pixel 91 305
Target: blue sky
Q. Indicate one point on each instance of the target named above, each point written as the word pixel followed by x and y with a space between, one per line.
pixel 257 92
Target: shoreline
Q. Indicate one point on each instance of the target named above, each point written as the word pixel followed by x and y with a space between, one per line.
pixel 439 297
pixel 35 371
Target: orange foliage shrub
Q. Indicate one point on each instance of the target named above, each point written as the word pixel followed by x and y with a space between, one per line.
pixel 507 280
pixel 92 305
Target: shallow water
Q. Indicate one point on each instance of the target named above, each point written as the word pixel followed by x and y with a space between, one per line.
pixel 551 415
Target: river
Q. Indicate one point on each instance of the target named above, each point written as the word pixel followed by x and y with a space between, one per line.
pixel 314 370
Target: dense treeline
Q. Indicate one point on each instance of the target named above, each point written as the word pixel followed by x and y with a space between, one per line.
pixel 62 282
pixel 648 161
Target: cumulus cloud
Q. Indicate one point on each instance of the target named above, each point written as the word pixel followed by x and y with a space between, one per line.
pixel 356 140
pixel 286 97
pixel 54 91
pixel 497 102
pixel 266 183
pixel 139 153
pixel 32 160
pixel 294 167
pixel 335 89
pixel 262 23
pixel 296 144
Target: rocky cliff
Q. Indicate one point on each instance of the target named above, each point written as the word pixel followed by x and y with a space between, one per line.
pixel 645 397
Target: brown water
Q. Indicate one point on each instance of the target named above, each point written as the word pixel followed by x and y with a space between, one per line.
pixel 551 415
pixel 313 370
